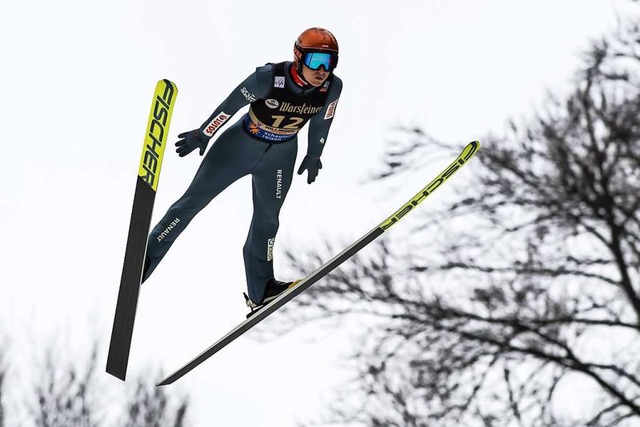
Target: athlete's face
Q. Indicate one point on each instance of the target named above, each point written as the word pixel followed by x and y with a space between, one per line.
pixel 314 77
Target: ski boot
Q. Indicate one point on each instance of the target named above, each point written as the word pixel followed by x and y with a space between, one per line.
pixel 273 289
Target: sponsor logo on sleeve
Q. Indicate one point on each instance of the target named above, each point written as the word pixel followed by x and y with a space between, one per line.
pixel 322 141
pixel 248 95
pixel 215 124
pixel 272 103
pixel 279 82
pixel 331 109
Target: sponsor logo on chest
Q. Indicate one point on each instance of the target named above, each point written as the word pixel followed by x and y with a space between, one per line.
pixel 272 103
pixel 279 82
pixel 299 109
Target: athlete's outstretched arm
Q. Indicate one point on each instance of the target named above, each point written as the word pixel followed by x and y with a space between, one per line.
pixel 257 85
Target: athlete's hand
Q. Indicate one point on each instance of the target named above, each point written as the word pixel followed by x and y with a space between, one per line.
pixel 312 165
pixel 189 141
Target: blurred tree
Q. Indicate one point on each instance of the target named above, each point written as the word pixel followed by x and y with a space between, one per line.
pixel 3 375
pixel 66 396
pixel 519 303
pixel 149 407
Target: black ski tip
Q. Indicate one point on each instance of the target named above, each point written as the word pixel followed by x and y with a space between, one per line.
pixel 118 373
pixel 164 382
pixel 116 364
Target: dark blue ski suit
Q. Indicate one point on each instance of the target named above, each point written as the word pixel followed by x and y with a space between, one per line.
pixel 262 143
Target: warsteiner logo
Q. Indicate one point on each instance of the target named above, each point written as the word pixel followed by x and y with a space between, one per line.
pixel 300 109
pixel 154 147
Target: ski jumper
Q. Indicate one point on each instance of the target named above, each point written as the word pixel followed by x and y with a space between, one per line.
pixel 263 144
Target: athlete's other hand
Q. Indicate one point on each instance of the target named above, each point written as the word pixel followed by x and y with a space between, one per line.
pixel 189 141
pixel 312 166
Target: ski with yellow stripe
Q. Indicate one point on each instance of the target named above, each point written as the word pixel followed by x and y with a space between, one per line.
pixel 144 197
pixel 297 287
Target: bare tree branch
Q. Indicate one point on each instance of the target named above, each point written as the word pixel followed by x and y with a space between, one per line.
pixel 530 276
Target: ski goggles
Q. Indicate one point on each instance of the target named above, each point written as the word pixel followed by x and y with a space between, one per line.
pixel 315 60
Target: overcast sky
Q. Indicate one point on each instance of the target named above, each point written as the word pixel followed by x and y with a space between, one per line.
pixel 78 77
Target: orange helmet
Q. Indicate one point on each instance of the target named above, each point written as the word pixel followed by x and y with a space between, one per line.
pixel 319 41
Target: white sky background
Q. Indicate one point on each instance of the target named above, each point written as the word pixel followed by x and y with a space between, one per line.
pixel 78 78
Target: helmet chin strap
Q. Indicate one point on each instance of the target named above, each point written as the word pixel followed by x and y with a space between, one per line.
pixel 298 77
